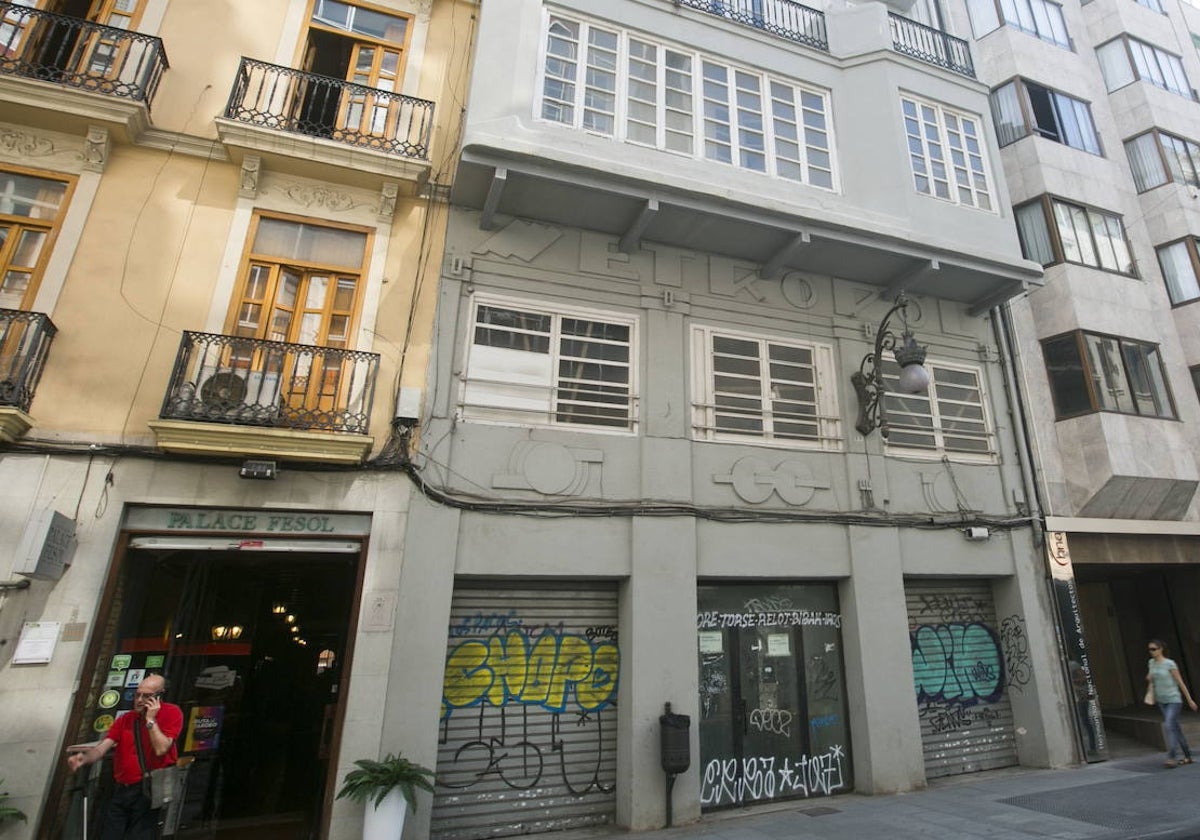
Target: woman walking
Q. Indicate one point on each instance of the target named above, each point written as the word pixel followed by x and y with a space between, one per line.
pixel 1169 693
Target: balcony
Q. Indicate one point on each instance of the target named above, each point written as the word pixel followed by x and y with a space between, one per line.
pixel 930 45
pixel 779 17
pixel 74 72
pixel 24 343
pixel 248 397
pixel 368 135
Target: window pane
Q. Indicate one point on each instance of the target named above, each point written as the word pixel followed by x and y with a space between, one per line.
pixel 1145 162
pixel 1179 272
pixel 1035 239
pixel 310 243
pixel 1108 374
pixel 1068 381
pixel 1145 379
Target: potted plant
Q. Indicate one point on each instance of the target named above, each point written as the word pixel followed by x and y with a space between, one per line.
pixel 8 812
pixel 387 788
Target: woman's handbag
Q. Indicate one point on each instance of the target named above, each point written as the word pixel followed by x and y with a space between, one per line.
pixel 1149 698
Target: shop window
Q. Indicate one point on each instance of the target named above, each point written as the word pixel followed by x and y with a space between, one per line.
pixel 527 363
pixel 752 388
pixel 951 418
pixel 31 210
pixel 1090 372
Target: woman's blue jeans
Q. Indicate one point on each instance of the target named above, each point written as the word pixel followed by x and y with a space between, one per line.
pixel 1172 730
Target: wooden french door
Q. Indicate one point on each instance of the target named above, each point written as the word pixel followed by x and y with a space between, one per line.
pixel 364 112
pixel 301 306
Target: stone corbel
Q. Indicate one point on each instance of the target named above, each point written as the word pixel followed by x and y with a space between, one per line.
pixel 248 180
pixel 387 201
pixel 96 147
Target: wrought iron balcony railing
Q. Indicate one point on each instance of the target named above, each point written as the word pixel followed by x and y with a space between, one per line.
pixel 931 45
pixel 24 342
pixel 784 18
pixel 320 106
pixel 251 382
pixel 77 53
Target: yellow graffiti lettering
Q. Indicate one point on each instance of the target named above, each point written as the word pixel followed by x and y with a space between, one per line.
pixel 597 687
pixel 573 664
pixel 540 671
pixel 507 658
pixel 467 674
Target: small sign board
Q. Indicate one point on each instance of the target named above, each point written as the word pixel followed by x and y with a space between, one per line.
pixel 47 546
pixel 36 645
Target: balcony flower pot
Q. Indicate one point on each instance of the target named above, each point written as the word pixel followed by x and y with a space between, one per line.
pixel 387 789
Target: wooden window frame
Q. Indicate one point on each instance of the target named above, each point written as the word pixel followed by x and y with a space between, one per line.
pixel 52 227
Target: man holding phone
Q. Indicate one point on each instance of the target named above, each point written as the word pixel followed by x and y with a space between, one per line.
pixel 157 724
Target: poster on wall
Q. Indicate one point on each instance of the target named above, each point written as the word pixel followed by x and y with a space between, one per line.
pixel 203 728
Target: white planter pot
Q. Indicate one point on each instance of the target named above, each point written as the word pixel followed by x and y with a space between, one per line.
pixel 387 821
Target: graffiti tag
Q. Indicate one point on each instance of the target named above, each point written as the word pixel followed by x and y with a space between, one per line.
pixel 957 663
pixel 730 781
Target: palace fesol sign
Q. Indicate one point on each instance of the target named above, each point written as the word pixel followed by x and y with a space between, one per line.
pixel 233 521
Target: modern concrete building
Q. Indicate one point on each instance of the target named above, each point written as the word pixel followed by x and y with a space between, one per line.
pixel 220 235
pixel 650 454
pixel 1096 111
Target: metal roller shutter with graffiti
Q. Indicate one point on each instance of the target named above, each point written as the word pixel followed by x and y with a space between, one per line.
pixel 528 722
pixel 965 662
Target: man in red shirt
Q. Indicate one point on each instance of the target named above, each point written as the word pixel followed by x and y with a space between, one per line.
pixel 157 724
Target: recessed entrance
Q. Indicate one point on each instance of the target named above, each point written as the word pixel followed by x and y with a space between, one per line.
pixel 253 643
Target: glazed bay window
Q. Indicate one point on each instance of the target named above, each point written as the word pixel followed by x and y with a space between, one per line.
pixel 528 364
pixel 637 90
pixel 1022 108
pixel 1125 60
pixel 951 418
pixel 945 150
pixel 1090 372
pixel 1157 158
pixel 1037 17
pixel 1054 231
pixel 751 388
pixel 31 207
pixel 1180 264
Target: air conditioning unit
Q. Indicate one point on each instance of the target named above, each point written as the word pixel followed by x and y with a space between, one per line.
pixel 249 397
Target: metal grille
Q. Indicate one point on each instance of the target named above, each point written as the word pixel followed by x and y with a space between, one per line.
pixel 930 45
pixel 961 677
pixel 528 739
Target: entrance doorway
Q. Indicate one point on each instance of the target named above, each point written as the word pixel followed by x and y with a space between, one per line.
pixel 254 645
pixel 772 694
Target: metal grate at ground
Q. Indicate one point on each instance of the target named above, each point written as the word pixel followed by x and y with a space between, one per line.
pixel 820 811
pixel 1145 803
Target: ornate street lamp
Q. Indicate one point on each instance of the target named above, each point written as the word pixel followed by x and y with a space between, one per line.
pixel 868 380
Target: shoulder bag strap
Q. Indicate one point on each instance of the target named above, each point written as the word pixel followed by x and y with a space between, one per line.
pixel 136 729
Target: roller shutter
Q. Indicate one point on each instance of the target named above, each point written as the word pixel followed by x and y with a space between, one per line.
pixel 961 678
pixel 528 738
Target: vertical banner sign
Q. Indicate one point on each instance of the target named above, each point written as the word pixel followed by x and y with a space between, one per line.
pixel 1090 724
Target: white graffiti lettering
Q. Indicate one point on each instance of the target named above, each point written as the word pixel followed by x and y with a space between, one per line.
pixel 730 781
pixel 774 721
pixel 713 620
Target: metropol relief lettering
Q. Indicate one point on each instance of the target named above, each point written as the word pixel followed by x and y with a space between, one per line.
pixel 516 672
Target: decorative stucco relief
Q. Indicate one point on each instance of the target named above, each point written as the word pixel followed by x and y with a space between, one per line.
pixel 754 480
pixel 549 468
pixel 314 198
pixel 524 240
pixel 24 144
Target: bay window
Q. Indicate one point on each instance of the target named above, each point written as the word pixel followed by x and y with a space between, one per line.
pixel 1089 372
pixel 1053 231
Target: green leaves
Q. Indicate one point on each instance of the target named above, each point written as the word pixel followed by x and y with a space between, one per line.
pixel 8 812
pixel 378 778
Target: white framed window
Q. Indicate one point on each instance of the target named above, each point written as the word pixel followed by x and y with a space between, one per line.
pixel 945 149
pixel 1124 60
pixel 751 388
pixel 642 91
pixel 950 419
pixel 531 364
pixel 1157 158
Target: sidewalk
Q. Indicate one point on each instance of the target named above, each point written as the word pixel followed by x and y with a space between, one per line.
pixel 1131 796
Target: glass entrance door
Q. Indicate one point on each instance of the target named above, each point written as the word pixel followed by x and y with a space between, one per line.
pixel 772 706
